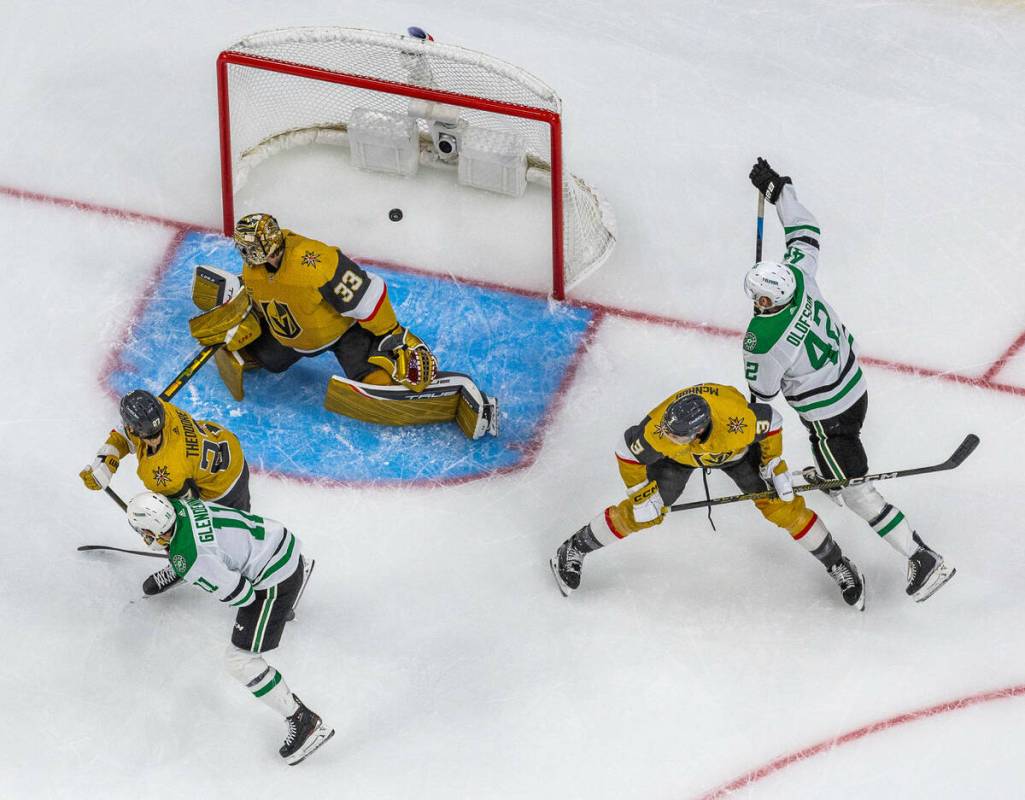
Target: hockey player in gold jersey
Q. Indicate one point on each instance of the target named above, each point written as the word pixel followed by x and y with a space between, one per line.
pixel 707 426
pixel 300 298
pixel 178 456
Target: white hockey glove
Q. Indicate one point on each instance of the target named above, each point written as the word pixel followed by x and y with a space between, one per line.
pixel 646 504
pixel 96 476
pixel 774 471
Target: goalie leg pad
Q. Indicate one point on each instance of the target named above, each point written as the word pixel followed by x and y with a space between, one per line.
pixel 444 400
pixel 393 404
pixel 476 413
pixel 232 366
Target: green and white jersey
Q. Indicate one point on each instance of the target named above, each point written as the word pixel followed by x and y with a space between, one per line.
pixel 803 350
pixel 230 553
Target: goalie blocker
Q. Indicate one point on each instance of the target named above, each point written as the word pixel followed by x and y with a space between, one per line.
pixel 450 396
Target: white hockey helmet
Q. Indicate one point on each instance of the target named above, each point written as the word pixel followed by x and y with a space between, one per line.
pixel 152 515
pixel 770 285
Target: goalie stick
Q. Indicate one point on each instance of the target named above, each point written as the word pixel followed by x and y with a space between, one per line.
pixel 971 441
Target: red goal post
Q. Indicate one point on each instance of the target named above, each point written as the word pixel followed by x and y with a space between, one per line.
pixel 286 88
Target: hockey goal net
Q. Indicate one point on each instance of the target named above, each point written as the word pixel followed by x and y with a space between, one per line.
pixel 287 88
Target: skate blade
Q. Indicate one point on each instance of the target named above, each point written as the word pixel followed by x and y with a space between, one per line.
pixel 943 573
pixel 554 564
pixel 317 739
pixel 860 605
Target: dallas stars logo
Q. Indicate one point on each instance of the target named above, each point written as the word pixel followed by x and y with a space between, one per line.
pixel 310 259
pixel 161 476
pixel 736 425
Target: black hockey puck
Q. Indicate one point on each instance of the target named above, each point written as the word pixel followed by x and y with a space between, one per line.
pixel 395 214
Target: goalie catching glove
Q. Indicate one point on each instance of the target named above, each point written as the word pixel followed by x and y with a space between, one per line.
pixel 406 359
pixel 233 324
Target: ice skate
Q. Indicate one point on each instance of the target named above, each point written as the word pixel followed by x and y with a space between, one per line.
pixel 566 564
pixel 306 733
pixel 160 581
pixel 927 572
pixel 851 582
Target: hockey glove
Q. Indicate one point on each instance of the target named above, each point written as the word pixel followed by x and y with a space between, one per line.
pixel 774 471
pixel 233 324
pixel 646 506
pixel 97 476
pixel 813 477
pixel 767 181
pixel 406 359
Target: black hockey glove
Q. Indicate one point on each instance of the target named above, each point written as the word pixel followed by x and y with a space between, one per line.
pixel 767 181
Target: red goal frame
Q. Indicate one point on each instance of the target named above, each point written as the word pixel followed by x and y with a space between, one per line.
pixel 553 120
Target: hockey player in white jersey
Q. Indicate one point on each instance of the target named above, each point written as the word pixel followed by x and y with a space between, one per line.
pixel 250 563
pixel 797 344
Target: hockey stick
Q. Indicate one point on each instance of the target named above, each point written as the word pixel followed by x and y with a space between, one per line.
pixel 170 391
pixel 307 574
pixel 85 547
pixel 971 441
pixel 761 227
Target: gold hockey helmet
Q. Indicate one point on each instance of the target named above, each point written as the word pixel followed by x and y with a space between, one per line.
pixel 258 238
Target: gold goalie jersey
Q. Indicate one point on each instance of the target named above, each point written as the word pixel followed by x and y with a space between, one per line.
pixel 193 454
pixel 316 295
pixel 736 425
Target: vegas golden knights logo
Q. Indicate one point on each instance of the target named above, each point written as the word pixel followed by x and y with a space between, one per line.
pixel 712 459
pixel 281 320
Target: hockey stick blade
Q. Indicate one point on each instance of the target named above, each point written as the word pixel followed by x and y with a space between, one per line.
pixel 965 449
pixel 86 547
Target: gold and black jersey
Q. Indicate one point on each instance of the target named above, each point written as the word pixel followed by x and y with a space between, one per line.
pixel 316 294
pixel 736 425
pixel 191 452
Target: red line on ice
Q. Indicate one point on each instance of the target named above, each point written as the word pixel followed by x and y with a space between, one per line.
pixel 783 762
pixel 984 381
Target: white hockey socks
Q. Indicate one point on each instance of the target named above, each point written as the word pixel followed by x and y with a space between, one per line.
pixel 886 520
pixel 261 679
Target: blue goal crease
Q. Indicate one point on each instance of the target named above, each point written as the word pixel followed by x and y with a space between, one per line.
pixel 515 347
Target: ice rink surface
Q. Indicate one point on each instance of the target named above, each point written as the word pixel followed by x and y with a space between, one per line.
pixel 691 663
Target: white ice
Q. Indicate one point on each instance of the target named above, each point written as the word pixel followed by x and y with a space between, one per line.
pixel 433 637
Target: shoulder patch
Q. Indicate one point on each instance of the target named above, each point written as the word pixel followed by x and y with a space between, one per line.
pixel 750 341
pixel 181 566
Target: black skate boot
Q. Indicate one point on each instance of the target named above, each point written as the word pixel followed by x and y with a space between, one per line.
pixel 927 572
pixel 569 558
pixel 160 581
pixel 306 733
pixel 851 582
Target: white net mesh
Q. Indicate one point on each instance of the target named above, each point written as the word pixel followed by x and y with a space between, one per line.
pixel 271 111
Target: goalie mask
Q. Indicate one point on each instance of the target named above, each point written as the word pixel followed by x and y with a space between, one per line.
pixel 142 414
pixel 770 285
pixel 152 516
pixel 258 238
